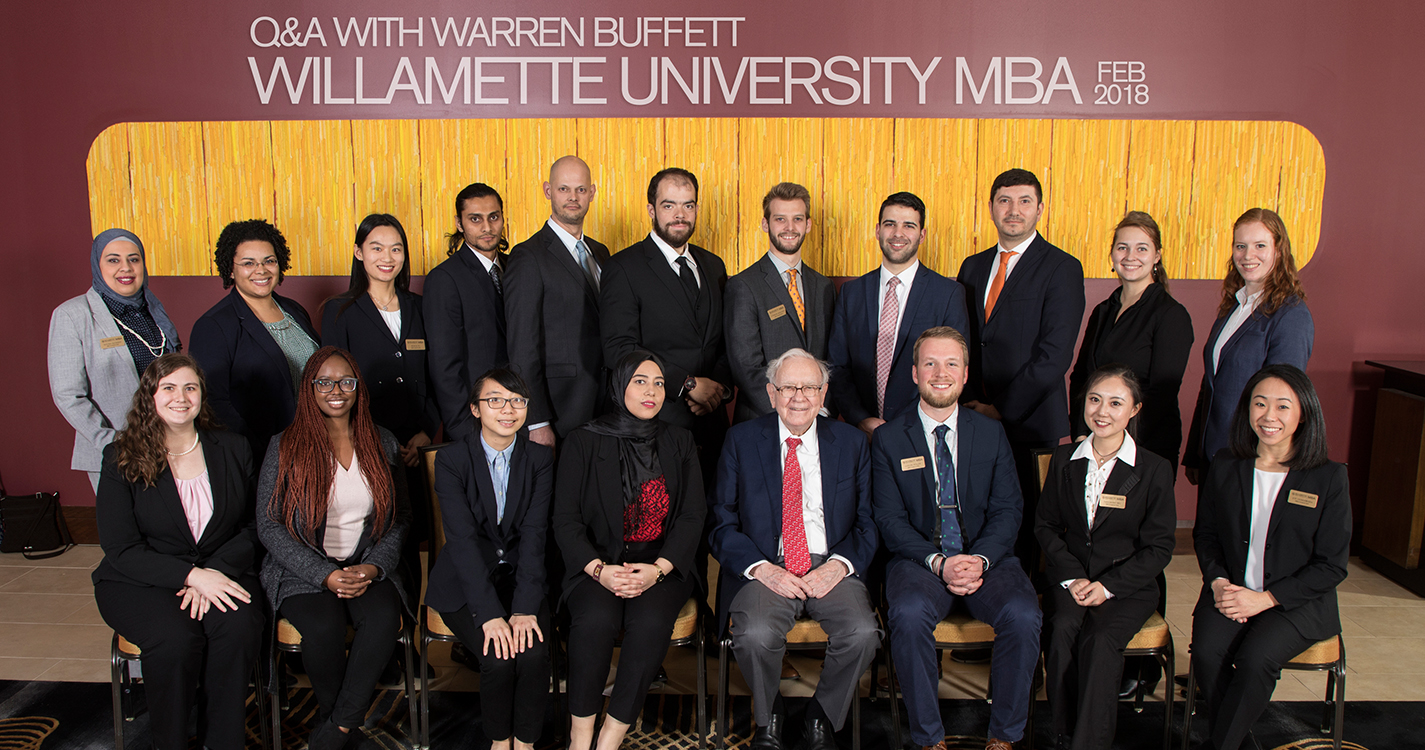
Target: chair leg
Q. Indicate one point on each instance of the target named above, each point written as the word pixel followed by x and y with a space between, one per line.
pixel 702 687
pixel 1165 661
pixel 277 696
pixel 1338 725
pixel 856 717
pixel 424 740
pixel 259 699
pixel 1189 704
pixel 722 702
pixel 895 702
pixel 414 723
pixel 117 668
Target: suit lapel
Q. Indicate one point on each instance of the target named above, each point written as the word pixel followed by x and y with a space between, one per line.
pixel 1072 480
pixel 772 469
pixel 913 301
pixel 1292 481
pixel 515 491
pixel 658 264
pixel 565 260
pixel 484 483
pixel 830 459
pixel 254 328
pixel 916 436
pixel 782 295
pixel 609 480
pixel 1029 260
pixel 368 307
pixel 873 319
pixel 965 436
pixel 223 504
pixel 1212 342
pixel 1122 479
pixel 167 488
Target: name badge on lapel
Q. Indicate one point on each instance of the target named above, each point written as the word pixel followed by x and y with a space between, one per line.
pixel 1117 502
pixel 1304 499
pixel 780 311
pixel 916 462
pixel 415 345
pixel 112 342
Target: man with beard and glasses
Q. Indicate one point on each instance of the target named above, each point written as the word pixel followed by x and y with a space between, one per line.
pixel 552 309
pixel 464 307
pixel 778 303
pixel 878 316
pixel 664 294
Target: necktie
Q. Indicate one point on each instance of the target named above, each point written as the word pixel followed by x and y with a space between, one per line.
pixel 500 470
pixel 794 529
pixel 591 266
pixel 495 274
pixel 886 343
pixel 950 541
pixel 998 283
pixel 796 297
pixel 690 282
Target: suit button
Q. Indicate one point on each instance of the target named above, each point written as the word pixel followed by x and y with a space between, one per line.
pixel 400 380
pixel 501 554
pixel 1269 546
pixel 1269 575
pixel 398 355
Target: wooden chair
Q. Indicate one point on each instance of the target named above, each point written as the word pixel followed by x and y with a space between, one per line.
pixel 1327 656
pixel 121 653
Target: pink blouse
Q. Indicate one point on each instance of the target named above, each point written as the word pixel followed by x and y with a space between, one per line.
pixel 196 494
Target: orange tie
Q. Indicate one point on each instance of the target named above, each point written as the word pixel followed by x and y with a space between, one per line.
pixel 796 297
pixel 998 283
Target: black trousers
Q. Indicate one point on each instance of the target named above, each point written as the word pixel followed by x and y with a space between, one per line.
pixel 596 617
pixel 1238 665
pixel 1084 662
pixel 179 652
pixel 1026 546
pixel 343 682
pixel 513 692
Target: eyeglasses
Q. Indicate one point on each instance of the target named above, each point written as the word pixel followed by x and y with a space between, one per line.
pixel 325 386
pixel 495 402
pixel 248 265
pixel 788 391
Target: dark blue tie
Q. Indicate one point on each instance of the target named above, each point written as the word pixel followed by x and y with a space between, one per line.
pixel 950 541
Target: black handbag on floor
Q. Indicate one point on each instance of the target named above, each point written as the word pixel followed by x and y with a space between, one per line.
pixel 33 525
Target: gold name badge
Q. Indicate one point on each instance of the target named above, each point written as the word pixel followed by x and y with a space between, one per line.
pixel 1304 499
pixel 1117 502
pixel 113 342
pixel 779 311
pixel 415 345
pixel 917 462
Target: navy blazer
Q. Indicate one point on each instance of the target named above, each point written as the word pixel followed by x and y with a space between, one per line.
pixel 985 482
pixel 1308 544
pixel 465 327
pixel 249 383
pixel 934 301
pixel 145 533
pixel 476 543
pixel 747 499
pixel 393 371
pixel 1018 358
pixel 1284 337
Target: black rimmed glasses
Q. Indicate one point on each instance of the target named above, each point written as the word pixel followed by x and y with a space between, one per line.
pixel 324 385
pixel 496 402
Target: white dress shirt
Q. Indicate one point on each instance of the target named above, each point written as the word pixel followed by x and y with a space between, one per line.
pixel 486 262
pixel 1266 485
pixel 782 269
pixel 393 321
pixel 907 277
pixel 1017 252
pixel 673 255
pixel 1246 305
pixel 813 515
pixel 569 240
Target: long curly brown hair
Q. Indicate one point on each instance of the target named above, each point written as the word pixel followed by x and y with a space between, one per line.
pixel 306 467
pixel 1282 282
pixel 139 447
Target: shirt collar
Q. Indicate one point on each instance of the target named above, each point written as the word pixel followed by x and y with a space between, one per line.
pixel 906 275
pixel 671 254
pixel 1128 454
pixel 929 424
pixel 1247 300
pixel 490 452
pixel 781 265
pixel 808 438
pixel 486 262
pixel 569 240
pixel 1021 247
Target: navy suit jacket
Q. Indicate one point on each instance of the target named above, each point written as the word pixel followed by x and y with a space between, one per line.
pixel 1284 337
pixel 1018 358
pixel 747 499
pixel 477 541
pixel 393 369
pixel 985 483
pixel 934 301
pixel 465 328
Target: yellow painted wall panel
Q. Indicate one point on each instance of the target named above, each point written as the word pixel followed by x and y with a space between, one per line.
pixel 622 154
pixel 111 198
pixel 936 160
pixel 313 177
pixel 773 150
pixel 1245 172
pixel 453 154
pixel 709 147
pixel 1302 190
pixel 859 172
pixel 1090 168
pixel 387 173
pixel 533 145
pixel 238 172
pixel 170 200
pixel 1160 169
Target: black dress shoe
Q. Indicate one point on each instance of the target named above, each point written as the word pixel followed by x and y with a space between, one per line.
pixel 1128 687
pixel 818 735
pixel 327 737
pixel 770 736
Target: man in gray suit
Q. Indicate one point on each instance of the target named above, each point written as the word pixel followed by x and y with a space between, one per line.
pixel 778 303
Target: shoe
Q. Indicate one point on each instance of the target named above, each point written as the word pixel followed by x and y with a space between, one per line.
pixel 327 736
pixel 461 655
pixel 789 672
pixel 1128 687
pixel 770 736
pixel 818 735
pixel 997 744
pixel 971 655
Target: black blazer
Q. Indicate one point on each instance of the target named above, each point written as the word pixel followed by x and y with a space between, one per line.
pixel 1128 547
pixel 985 481
pixel 934 301
pixel 643 304
pixel 553 336
pixel 393 371
pixel 761 324
pixel 1307 547
pixel 1018 357
pixel 465 334
pixel 589 502
pixel 1154 340
pixel 145 533
pixel 249 383
pixel 476 544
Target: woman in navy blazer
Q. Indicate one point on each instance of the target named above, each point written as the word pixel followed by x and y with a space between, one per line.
pixel 1273 536
pixel 175 516
pixel 489 582
pixel 1262 320
pixel 254 343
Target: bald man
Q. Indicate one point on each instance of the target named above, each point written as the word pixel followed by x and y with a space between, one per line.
pixel 552 309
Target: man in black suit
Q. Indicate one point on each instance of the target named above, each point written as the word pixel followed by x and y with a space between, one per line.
pixel 778 303
pixel 1027 298
pixel 464 312
pixel 552 309
pixel 664 294
pixel 878 315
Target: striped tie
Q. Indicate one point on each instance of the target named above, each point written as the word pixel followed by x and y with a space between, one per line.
pixel 886 344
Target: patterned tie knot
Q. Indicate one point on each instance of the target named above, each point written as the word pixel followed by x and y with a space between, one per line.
pixel 893 283
pixel 940 431
pixel 793 442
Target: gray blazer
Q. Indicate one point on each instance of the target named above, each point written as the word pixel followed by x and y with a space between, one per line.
pixel 92 384
pixel 754 337
pixel 301 566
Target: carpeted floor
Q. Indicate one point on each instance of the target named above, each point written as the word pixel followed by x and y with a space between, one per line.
pixel 76 716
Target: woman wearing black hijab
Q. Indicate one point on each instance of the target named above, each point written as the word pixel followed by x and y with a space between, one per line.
pixel 628 516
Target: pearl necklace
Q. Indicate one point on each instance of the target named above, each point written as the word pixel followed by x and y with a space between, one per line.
pixel 184 453
pixel 155 351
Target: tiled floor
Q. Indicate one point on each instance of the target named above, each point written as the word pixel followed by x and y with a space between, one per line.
pixel 51 630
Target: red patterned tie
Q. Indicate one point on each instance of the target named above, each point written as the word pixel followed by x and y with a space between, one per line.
pixel 886 343
pixel 794 530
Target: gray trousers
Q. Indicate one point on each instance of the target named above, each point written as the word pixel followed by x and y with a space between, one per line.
pixel 760 621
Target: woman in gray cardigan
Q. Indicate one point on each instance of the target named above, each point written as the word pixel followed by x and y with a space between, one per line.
pixel 100 343
pixel 335 517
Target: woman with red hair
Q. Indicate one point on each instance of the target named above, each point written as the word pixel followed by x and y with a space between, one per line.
pixel 336 517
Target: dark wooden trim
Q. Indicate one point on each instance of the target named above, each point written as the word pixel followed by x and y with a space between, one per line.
pixel 82 526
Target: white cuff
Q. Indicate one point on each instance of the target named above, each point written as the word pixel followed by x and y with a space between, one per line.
pixel 850 569
pixel 748 573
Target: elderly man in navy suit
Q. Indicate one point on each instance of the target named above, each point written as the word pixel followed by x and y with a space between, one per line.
pixel 794 536
pixel 948 506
